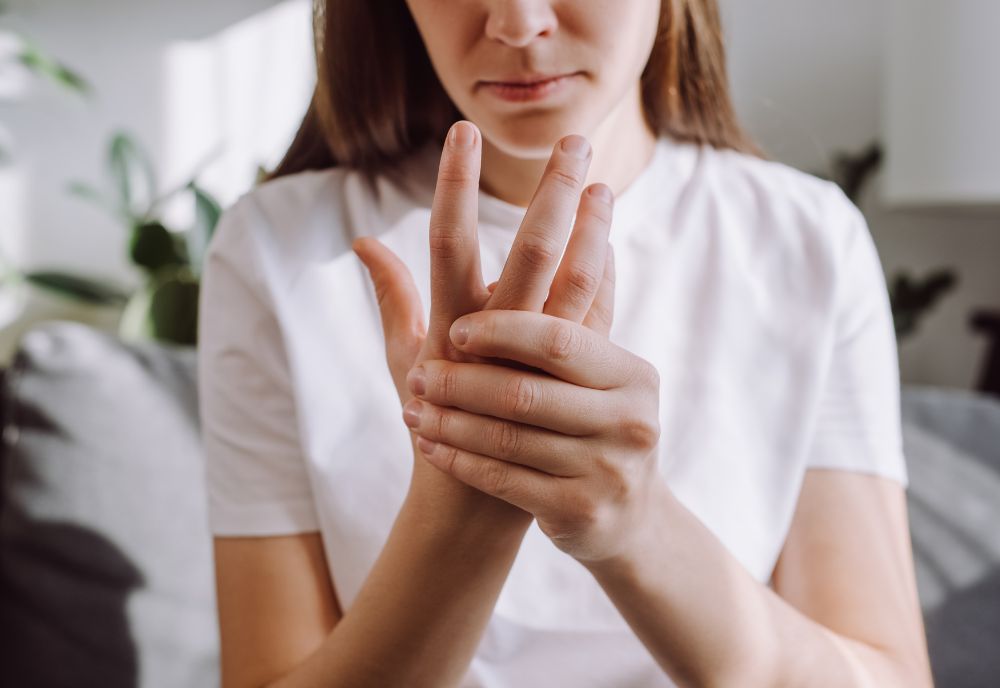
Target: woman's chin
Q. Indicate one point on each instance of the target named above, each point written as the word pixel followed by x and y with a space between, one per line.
pixel 529 136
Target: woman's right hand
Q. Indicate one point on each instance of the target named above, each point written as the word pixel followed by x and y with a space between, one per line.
pixel 580 287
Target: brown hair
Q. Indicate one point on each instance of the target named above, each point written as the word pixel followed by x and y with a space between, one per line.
pixel 377 98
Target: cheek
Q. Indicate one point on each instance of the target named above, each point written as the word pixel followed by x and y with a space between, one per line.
pixel 448 30
pixel 622 31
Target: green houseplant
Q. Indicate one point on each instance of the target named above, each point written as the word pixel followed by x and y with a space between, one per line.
pixel 165 307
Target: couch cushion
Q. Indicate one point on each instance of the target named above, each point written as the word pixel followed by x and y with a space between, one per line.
pixel 105 556
pixel 952 443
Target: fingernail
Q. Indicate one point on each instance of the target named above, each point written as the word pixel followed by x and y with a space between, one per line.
pixel 417 380
pixel 462 135
pixel 426 446
pixel 603 192
pixel 460 333
pixel 411 413
pixel 358 248
pixel 577 146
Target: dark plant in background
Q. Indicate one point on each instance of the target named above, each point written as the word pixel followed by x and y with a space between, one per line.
pixel 912 298
pixel 166 306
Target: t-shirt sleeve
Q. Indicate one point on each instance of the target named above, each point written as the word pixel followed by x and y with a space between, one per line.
pixel 858 426
pixel 256 475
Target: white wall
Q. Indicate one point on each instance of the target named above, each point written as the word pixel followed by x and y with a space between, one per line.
pixel 185 78
pixel 807 78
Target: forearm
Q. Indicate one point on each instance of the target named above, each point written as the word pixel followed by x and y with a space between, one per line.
pixel 708 622
pixel 419 616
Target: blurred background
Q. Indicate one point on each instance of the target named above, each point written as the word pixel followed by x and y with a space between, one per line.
pixel 213 90
pixel 126 126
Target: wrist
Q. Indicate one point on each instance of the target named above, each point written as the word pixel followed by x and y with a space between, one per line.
pixel 640 544
pixel 466 522
pixel 445 504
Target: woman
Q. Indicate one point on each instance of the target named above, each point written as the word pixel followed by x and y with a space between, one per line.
pixel 662 453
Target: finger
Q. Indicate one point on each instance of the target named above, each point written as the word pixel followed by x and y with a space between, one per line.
pixel 543 450
pixel 398 303
pixel 527 275
pixel 524 397
pixel 491 287
pixel 565 350
pixel 581 270
pixel 523 487
pixel 456 279
pixel 602 311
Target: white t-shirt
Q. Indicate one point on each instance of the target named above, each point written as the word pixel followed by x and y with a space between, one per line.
pixel 755 289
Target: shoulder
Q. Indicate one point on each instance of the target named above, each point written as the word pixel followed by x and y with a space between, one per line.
pixel 781 207
pixel 297 208
pixel 286 223
pixel 776 188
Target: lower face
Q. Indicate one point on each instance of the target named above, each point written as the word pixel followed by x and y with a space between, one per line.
pixel 593 52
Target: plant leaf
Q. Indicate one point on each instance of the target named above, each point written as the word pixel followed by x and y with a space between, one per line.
pixel 173 308
pixel 153 247
pixel 79 288
pixel 89 193
pixel 207 214
pixel 43 65
pixel 130 169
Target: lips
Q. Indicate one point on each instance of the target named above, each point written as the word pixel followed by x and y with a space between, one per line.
pixel 526 80
pixel 552 89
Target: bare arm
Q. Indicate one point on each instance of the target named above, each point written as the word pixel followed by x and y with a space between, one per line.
pixel 843 612
pixel 416 621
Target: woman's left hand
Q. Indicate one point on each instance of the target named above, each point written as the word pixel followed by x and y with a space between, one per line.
pixel 574 444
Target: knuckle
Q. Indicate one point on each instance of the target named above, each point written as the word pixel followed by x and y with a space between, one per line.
pixel 566 177
pixel 536 251
pixel 561 343
pixel 506 440
pixel 496 477
pixel 446 238
pixel 583 279
pixel 519 396
pixel 449 456
pixel 440 424
pixel 447 383
pixel 639 433
pixel 456 174
pixel 615 483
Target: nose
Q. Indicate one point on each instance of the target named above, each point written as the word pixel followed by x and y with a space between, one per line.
pixel 518 22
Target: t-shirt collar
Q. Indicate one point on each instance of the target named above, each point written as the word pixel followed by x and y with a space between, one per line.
pixel 670 164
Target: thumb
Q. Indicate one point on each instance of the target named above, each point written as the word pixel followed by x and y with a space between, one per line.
pixel 398 302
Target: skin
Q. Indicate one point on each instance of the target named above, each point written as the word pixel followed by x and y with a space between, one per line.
pixel 471 41
pixel 497 446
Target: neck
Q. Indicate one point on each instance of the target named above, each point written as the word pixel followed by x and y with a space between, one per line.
pixel 623 145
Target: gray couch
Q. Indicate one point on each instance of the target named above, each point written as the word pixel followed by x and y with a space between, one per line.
pixel 105 560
